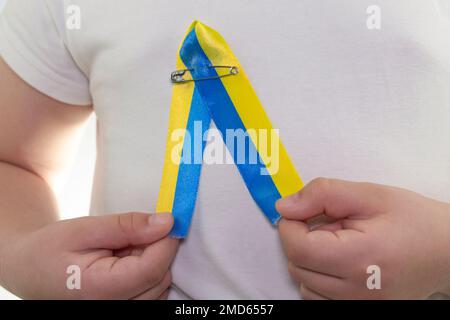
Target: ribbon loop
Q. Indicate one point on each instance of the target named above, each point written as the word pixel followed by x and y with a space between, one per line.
pixel 230 101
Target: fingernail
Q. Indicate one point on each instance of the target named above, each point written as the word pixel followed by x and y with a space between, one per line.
pixel 159 218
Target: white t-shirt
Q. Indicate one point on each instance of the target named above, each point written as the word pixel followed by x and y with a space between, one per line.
pixel 350 102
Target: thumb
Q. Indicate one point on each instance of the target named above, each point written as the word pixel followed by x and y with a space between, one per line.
pixel 336 199
pixel 118 230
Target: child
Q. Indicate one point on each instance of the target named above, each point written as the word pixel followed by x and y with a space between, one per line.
pixel 353 100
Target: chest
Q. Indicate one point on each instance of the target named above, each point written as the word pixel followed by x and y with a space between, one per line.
pixel 372 97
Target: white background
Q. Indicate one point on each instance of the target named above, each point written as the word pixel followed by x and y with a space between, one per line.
pixel 75 195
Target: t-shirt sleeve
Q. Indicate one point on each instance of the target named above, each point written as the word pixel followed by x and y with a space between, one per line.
pixel 32 45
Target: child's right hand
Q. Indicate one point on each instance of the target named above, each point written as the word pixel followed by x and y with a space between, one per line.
pixel 124 256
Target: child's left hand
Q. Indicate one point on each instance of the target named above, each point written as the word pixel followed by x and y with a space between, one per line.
pixel 403 233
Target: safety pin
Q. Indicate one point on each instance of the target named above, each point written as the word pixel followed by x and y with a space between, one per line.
pixel 177 76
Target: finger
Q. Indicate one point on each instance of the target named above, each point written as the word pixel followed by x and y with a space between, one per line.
pixel 156 292
pixel 323 251
pixel 127 277
pixel 325 285
pixel 308 294
pixel 130 251
pixel 335 198
pixel 319 220
pixel 164 295
pixel 118 231
pixel 331 227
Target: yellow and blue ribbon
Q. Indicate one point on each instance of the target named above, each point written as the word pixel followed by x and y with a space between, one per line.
pixel 232 104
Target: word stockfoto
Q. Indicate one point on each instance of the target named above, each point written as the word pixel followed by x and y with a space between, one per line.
pixel 243 147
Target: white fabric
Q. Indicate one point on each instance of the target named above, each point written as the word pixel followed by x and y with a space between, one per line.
pixel 350 103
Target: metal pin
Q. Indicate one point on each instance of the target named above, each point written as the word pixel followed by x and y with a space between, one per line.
pixel 178 75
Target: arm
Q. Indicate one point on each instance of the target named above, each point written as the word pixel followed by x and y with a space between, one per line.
pixel 38 135
pixel 123 256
